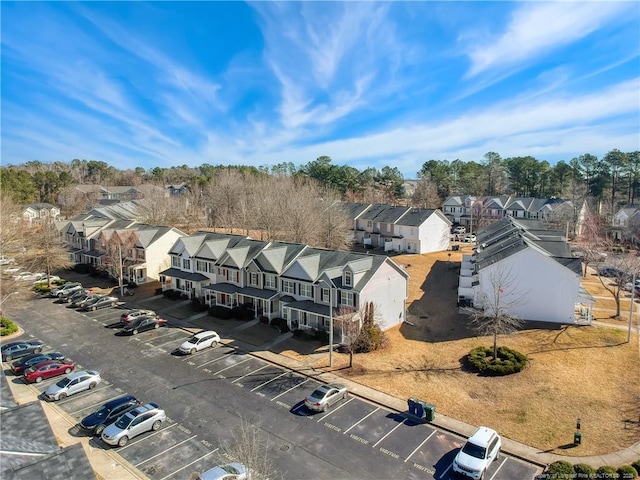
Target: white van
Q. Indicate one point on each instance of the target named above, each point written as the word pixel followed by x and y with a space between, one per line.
pixel 475 457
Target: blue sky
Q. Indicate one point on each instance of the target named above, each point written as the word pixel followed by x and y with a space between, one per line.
pixel 368 84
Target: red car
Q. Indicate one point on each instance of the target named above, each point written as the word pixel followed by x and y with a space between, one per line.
pixel 48 369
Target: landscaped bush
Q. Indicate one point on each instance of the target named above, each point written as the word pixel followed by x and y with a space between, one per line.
pixel 221 312
pixel 264 319
pixel 168 292
pixel 158 291
pixel 197 305
pixel 322 336
pixel 84 268
pixel 606 471
pixel 627 472
pixel 636 465
pixel 7 327
pixel 582 470
pixel 509 361
pixel 280 324
pixel 242 313
pixel 41 288
pixel 560 469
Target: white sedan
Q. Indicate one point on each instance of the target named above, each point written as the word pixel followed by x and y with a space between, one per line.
pixel 200 341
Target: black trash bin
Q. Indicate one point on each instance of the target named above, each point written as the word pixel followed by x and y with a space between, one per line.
pixel 455 248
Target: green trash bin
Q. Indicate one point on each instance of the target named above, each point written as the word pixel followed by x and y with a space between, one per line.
pixel 577 438
pixel 429 411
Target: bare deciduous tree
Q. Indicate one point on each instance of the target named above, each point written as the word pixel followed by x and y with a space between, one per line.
pixel 44 248
pixel 119 254
pixel 498 299
pixel 250 447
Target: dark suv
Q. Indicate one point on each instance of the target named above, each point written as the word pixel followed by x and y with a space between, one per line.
pixel 108 413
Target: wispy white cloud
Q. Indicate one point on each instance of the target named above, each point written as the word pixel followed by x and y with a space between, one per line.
pixel 537 28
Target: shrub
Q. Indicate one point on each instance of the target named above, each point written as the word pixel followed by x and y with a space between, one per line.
pixel 158 291
pixel 297 333
pixel 636 465
pixel 7 327
pixel 582 470
pixel 221 312
pixel 168 292
pixel 263 319
pixel 509 361
pixel 41 288
pixel 606 471
pixel 627 471
pixel 242 313
pixel 197 305
pixel 322 336
pixel 280 324
pixel 560 469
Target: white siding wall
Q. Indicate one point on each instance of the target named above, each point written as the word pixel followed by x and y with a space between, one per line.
pixel 434 235
pixel 156 256
pixel 388 292
pixel 543 289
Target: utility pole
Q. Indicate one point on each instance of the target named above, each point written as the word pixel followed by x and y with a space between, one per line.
pixel 633 291
pixel 330 326
pixel 121 268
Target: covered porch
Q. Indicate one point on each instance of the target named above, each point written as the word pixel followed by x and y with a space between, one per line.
pixel 188 283
pixel 262 302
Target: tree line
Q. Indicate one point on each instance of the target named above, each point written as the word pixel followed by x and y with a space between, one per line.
pixel 611 181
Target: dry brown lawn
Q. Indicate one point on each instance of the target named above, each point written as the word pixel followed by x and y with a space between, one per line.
pixel 587 372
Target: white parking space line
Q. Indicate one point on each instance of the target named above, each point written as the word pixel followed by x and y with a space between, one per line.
pixel 81 394
pixel 334 409
pixel 94 405
pixel 444 474
pixel 419 446
pixel 389 433
pixel 173 340
pixel 292 388
pixel 189 357
pixel 498 469
pixel 274 378
pixel 362 419
pixel 250 373
pixel 189 464
pixel 231 366
pixel 144 437
pixel 170 332
pixel 165 451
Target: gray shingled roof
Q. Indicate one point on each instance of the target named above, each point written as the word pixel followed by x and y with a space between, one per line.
pixel 277 256
pixel 241 253
pixel 69 462
pixel 354 210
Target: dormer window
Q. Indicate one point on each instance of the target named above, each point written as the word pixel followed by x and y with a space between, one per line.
pixel 348 279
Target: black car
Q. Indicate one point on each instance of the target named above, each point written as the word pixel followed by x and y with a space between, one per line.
pixel 73 296
pixel 143 323
pixel 20 349
pixel 19 366
pixel 612 272
pixel 108 413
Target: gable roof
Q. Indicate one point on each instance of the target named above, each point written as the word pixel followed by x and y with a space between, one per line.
pixel 277 256
pixel 354 210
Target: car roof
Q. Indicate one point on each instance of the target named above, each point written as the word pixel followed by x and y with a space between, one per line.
pixel 205 333
pixel 75 375
pixel 120 401
pixel 482 436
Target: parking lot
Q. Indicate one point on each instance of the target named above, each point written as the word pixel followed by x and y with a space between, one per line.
pixel 405 448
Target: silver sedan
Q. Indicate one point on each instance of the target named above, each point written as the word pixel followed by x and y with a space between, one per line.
pixel 324 396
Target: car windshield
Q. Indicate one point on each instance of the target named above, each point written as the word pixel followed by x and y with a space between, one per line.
pixel 320 392
pixel 31 369
pixel 63 383
pixel 474 450
pixel 102 412
pixel 230 469
pixel 124 421
pixel 193 339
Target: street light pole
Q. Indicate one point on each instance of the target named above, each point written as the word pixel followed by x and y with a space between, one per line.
pixel 633 291
pixel 330 326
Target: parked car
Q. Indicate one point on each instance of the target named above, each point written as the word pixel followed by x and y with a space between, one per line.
pixel 459 230
pixel 20 349
pixel 108 413
pixel 141 324
pixel 229 471
pixel 9 270
pixel 200 341
pixel 324 396
pixel 470 238
pixel 48 369
pixel 19 366
pixel 70 297
pixel 92 297
pixel 102 302
pixel 131 315
pixel 6 260
pixel 475 457
pixel 142 419
pixel 65 288
pixel 611 272
pixel 27 276
pixel 72 384
pixel 43 278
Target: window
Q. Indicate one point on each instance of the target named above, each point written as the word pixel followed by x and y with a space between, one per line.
pixel 234 276
pixel 201 266
pixel 186 264
pixel 254 279
pixel 347 298
pixel 270 281
pixel 369 224
pixel 326 295
pixel 306 290
pixel 175 262
pixel 288 287
pixel 348 281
